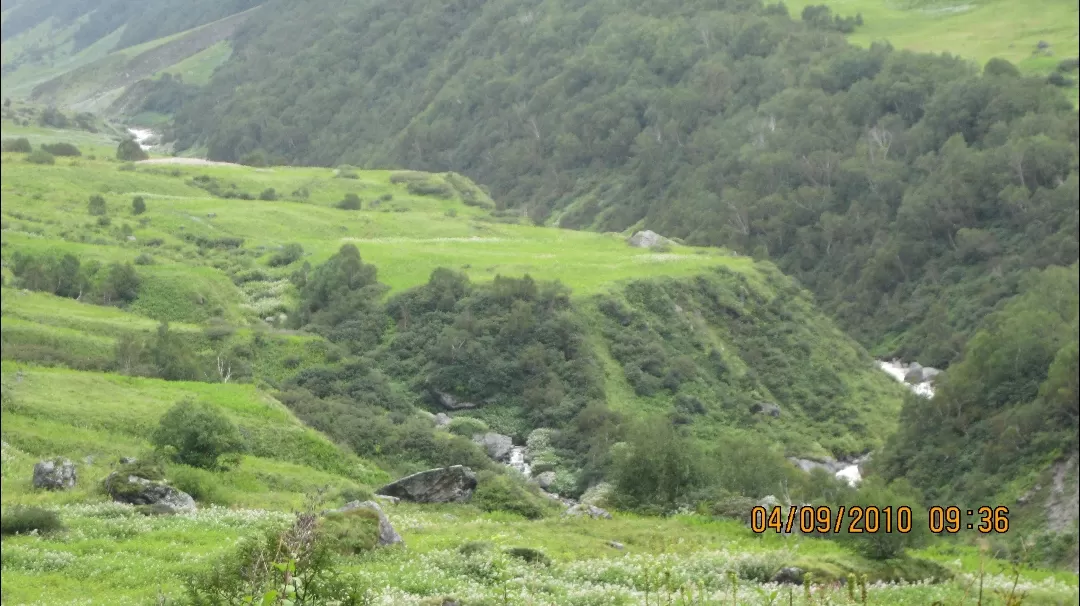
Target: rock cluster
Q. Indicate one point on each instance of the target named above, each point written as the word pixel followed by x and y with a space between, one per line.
pixel 55 474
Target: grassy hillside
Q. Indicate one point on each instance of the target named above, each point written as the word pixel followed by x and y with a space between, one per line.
pixel 978 30
pixel 691 337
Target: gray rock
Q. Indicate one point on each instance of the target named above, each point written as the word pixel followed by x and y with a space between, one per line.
pixel 590 510
pixel 128 460
pixel 930 373
pixel 497 445
pixel 616 545
pixel 647 239
pixel 387 499
pixel 442 419
pixel 88 459
pixel 140 491
pixel 766 408
pixel 442 485
pixel 387 534
pixel 546 479
pixel 914 374
pixel 55 474
pixel 131 238
pixel 789 575
pixel 448 401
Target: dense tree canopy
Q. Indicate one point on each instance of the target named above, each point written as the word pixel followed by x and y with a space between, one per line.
pixel 888 182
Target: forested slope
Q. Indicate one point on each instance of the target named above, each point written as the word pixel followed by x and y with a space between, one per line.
pixel 889 183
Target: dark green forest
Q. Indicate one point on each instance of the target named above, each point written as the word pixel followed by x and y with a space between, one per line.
pixel 909 192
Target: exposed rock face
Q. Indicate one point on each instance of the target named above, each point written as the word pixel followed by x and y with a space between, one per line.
pixel 387 534
pixel 592 511
pixel 140 491
pixel 450 402
pixel 647 239
pixel 453 484
pixel 497 445
pixel 442 419
pixel 546 479
pixel 55 474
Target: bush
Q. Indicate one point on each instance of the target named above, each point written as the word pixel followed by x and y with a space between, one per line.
pixel 887 545
pixel 24 520
pixel 130 151
pixel 529 555
pixel 144 259
pixel 466 426
pixel 96 205
pixel 61 149
pixel 352 532
pixel 197 434
pixel 268 195
pixel 138 205
pixel 18 146
pixel 350 202
pixel 289 254
pixel 501 493
pixel 40 156
pixel 203 486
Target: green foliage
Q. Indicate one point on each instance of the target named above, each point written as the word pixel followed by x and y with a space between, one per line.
pixel 203 486
pixel 66 276
pixel 268 194
pixel 61 149
pixel 96 205
pixel 24 520
pixel 138 205
pixel 876 494
pixel 659 469
pixel 40 156
pixel 351 201
pixel 466 426
pixel 20 145
pixel 289 254
pixel 1006 408
pixel 197 434
pixel 340 300
pixel 351 532
pixel 502 493
pixel 130 151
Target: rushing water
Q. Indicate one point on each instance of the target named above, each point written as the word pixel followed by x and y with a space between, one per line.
pixel 517 461
pixel 897 370
pixel 141 136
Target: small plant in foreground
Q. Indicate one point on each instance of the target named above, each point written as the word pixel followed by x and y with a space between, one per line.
pixel 26 520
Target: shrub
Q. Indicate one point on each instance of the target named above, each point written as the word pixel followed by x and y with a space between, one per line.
pixel 40 156
pixel 18 146
pixel 144 259
pixel 197 434
pixel 466 426
pixel 346 172
pixel 138 205
pixel 501 493
pixel 202 485
pixel 887 545
pixel 288 254
pixel 129 150
pixel 350 202
pixel 529 555
pixel 351 532
pixel 96 205
pixel 268 195
pixel 104 221
pixel 24 520
pixel 61 149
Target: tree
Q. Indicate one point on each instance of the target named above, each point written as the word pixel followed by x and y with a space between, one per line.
pixel 874 494
pixel 96 206
pixel 197 434
pixel 120 284
pixel 351 201
pixel 138 205
pixel 659 468
pixel 129 150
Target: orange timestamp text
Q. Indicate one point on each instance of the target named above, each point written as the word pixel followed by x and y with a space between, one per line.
pixel 832 520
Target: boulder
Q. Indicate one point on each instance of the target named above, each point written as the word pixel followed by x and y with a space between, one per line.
pixel 647 239
pixel 592 511
pixel 789 575
pixel 930 373
pixel 55 474
pixel 450 402
pixel 616 545
pixel 453 484
pixel 546 479
pixel 914 374
pixel 442 419
pixel 766 408
pixel 140 491
pixel 387 534
pixel 497 445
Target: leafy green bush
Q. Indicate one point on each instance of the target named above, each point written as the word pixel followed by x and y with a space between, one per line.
pixel 18 146
pixel 129 150
pixel 40 156
pixel 466 426
pixel 529 555
pixel 138 205
pixel 351 201
pixel 202 485
pixel 289 254
pixel 197 434
pixel 659 469
pixel 351 532
pixel 96 205
pixel 873 492
pixel 501 493
pixel 268 195
pixel 61 149
pixel 18 519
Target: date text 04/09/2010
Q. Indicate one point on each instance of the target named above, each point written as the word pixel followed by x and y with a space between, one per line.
pixel 871 519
